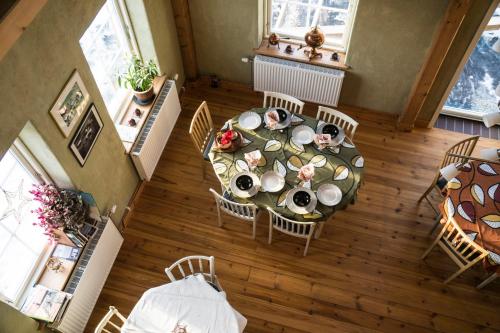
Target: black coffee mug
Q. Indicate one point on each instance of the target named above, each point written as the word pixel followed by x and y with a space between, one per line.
pixel 244 182
pixel 301 198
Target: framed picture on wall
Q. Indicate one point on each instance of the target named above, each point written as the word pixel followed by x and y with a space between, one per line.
pixel 87 135
pixel 70 104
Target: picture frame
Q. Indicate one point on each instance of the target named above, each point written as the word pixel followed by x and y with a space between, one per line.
pixel 86 136
pixel 70 104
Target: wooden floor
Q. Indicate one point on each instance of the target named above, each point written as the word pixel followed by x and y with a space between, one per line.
pixel 363 275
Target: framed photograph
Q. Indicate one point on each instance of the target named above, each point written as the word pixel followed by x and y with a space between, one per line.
pixel 86 136
pixel 70 104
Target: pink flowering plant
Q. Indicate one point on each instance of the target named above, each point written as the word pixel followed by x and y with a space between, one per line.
pixel 59 209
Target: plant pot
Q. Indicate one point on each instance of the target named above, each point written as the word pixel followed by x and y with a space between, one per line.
pixel 144 97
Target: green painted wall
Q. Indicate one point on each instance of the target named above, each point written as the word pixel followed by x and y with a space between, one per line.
pixel 31 76
pixel 389 37
pixel 389 42
pixel 224 32
pixel 464 37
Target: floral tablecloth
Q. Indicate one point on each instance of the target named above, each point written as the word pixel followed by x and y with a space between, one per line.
pixel 473 200
pixel 341 165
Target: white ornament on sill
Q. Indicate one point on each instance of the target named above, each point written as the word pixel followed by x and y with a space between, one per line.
pixel 491 119
pixel 496 46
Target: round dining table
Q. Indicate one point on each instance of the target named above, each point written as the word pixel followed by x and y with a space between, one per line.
pixel 341 165
pixel 190 304
pixel 473 200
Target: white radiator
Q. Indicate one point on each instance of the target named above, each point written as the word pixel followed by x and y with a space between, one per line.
pixel 154 135
pixel 88 279
pixel 304 81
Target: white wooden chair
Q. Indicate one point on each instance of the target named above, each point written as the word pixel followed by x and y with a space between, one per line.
pixel 245 212
pixel 278 100
pixel 458 246
pixel 291 227
pixel 107 325
pixel 202 132
pixel 332 116
pixel 457 153
pixel 195 265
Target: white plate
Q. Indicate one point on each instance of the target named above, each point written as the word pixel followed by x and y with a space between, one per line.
pixel 329 194
pixel 283 124
pixel 297 209
pixel 245 194
pixel 336 140
pixel 303 134
pixel 249 120
pixel 272 181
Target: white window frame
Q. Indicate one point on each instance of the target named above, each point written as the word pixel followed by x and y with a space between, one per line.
pixel 123 21
pixel 488 24
pixel 29 162
pixel 351 15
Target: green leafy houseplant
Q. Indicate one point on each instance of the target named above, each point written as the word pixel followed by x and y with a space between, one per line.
pixel 139 77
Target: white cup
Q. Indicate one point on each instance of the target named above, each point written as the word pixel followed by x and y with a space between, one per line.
pixel 491 154
pixel 450 171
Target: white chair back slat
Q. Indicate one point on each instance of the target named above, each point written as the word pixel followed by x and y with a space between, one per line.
pixel 201 259
pixel 290 103
pixel 201 127
pixel 332 116
pixel 107 321
pixel 291 227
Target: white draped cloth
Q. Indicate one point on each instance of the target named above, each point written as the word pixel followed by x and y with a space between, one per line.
pixel 191 303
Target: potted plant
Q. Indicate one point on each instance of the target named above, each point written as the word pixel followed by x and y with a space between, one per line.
pixel 139 77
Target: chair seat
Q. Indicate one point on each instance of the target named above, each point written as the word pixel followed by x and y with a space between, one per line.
pixel 208 147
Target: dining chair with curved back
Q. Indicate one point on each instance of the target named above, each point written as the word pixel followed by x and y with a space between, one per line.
pixel 107 324
pixel 278 100
pixel 332 116
pixel 463 148
pixel 198 264
pixel 202 132
pixel 245 212
pixel 458 246
pixel 291 227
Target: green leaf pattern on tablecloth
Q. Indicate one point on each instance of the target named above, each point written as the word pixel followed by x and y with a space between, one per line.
pixel 341 165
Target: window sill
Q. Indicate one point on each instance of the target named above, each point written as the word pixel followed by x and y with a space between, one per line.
pixel 128 134
pixel 298 55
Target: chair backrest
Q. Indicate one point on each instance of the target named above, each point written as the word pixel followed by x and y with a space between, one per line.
pixel 291 227
pixel 193 264
pixel 242 211
pixel 338 118
pixel 462 249
pixel 201 127
pixel 464 148
pixel 278 100
pixel 107 325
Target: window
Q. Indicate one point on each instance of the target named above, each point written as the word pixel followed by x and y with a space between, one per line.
pixel 22 244
pixel 293 18
pixel 478 88
pixel 107 44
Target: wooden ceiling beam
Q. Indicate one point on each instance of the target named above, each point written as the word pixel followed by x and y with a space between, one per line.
pixel 455 14
pixel 16 21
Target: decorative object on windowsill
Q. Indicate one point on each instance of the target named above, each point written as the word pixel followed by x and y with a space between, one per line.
pixel 274 40
pixel 59 209
pixel 139 77
pixel 132 122
pixel 87 135
pixel 214 81
pixel 496 46
pixel 314 39
pixel 491 119
pixel 289 49
pixel 70 104
pixel 55 264
pixel 138 113
pixel 335 56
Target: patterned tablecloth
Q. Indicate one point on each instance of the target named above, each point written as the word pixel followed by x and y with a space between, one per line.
pixel 341 165
pixel 473 199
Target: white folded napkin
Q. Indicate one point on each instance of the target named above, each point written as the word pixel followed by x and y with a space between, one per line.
pixel 253 158
pixel 306 172
pixel 273 118
pixel 322 140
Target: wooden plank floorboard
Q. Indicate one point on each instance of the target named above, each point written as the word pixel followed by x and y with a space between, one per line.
pixel 363 275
